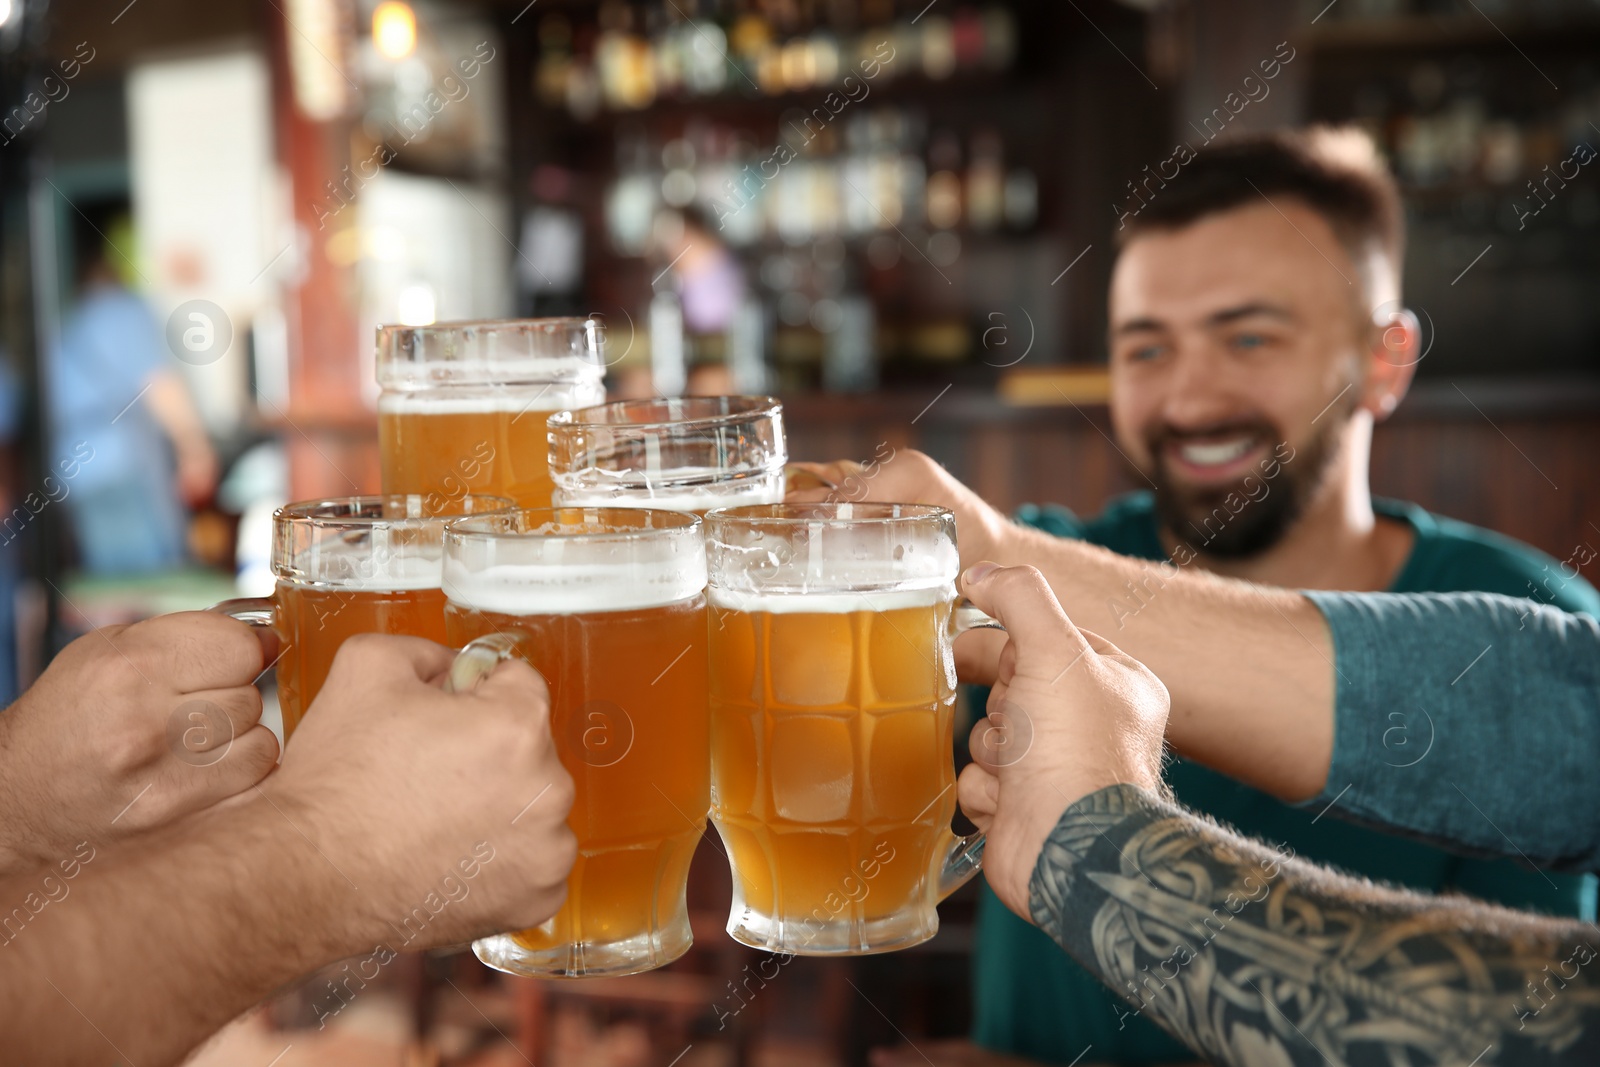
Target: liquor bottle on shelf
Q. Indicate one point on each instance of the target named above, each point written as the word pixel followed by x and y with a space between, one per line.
pixel 985 184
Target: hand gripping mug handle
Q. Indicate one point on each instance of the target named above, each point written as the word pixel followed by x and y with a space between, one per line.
pixel 478 660
pixel 471 666
pixel 965 856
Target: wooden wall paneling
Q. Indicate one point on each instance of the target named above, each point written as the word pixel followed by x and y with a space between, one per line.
pixel 1462 466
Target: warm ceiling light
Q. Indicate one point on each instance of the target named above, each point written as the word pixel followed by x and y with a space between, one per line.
pixel 394 29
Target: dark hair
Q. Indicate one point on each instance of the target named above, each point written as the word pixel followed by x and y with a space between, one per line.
pixel 1335 171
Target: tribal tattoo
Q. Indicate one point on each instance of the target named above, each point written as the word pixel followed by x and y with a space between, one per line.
pixel 1250 956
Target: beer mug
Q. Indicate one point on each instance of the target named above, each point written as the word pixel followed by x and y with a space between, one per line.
pixel 463 404
pixel 361 564
pixel 832 700
pixel 608 604
pixel 684 453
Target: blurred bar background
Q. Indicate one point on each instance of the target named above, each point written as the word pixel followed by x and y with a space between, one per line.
pixel 896 216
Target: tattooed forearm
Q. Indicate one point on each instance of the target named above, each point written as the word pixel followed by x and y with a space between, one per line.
pixel 1250 956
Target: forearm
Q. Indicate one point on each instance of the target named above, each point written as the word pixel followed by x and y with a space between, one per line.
pixel 170 405
pixel 1469 719
pixel 1250 956
pixel 19 848
pixel 148 950
pixel 1250 669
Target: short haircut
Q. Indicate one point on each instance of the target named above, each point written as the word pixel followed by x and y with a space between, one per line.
pixel 1335 171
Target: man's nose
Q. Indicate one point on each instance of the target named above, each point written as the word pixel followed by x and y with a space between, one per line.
pixel 1201 390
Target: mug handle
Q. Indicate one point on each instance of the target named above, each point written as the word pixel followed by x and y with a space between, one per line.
pixel 478 660
pixel 965 856
pixel 257 612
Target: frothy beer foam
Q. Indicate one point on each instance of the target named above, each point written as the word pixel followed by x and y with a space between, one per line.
pixel 570 588
pixel 541 399
pixel 371 568
pixel 636 491
pixel 831 602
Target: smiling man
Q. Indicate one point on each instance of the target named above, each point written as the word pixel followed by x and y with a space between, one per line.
pixel 1256 337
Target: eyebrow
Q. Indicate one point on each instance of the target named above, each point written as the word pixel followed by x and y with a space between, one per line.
pixel 1245 311
pixel 1146 324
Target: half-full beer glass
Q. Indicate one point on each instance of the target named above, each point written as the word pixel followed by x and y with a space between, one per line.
pixel 683 453
pixel 609 605
pixel 361 564
pixel 832 695
pixel 463 404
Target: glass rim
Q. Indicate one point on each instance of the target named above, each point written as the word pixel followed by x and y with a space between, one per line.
pixel 549 325
pixel 343 511
pixel 827 513
pixel 758 407
pixel 628 524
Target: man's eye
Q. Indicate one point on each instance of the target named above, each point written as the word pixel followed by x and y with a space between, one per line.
pixel 1249 341
pixel 1144 353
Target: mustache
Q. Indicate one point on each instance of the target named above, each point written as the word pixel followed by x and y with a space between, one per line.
pixel 1158 437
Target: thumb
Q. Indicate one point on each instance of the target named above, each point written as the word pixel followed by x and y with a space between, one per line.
pixel 817 482
pixel 1042 637
pixel 382 660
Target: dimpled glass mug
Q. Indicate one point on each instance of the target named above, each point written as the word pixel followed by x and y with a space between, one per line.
pixel 352 565
pixel 690 453
pixel 608 604
pixel 832 698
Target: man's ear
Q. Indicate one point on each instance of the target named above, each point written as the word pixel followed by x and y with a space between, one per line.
pixel 1395 350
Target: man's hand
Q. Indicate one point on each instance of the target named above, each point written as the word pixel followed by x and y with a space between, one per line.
pixel 1069 715
pixel 131 727
pixel 906 476
pixel 398 783
pixel 402 818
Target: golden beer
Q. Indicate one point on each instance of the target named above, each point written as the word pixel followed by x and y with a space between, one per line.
pixel 831 734
pixel 313 621
pixel 832 709
pixel 619 635
pixel 455 446
pixel 354 565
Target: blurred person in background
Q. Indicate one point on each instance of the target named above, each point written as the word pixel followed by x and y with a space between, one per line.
pixel 711 287
pixel 122 409
pixel 1256 338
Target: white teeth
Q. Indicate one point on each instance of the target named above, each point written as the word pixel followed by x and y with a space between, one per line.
pixel 1211 455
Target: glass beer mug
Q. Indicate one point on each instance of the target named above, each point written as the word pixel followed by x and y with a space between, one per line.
pixel 832 698
pixel 360 564
pixel 690 453
pixel 608 604
pixel 463 404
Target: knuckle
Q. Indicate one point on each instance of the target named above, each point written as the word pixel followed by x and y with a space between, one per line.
pixel 563 852
pixel 518 674
pixel 125 745
pixel 251 756
pixel 563 794
pixel 359 651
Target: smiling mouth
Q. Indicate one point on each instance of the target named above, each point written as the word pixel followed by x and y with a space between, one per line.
pixel 1214 458
pixel 1216 453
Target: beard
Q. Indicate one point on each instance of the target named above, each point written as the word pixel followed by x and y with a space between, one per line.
pixel 1264 519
